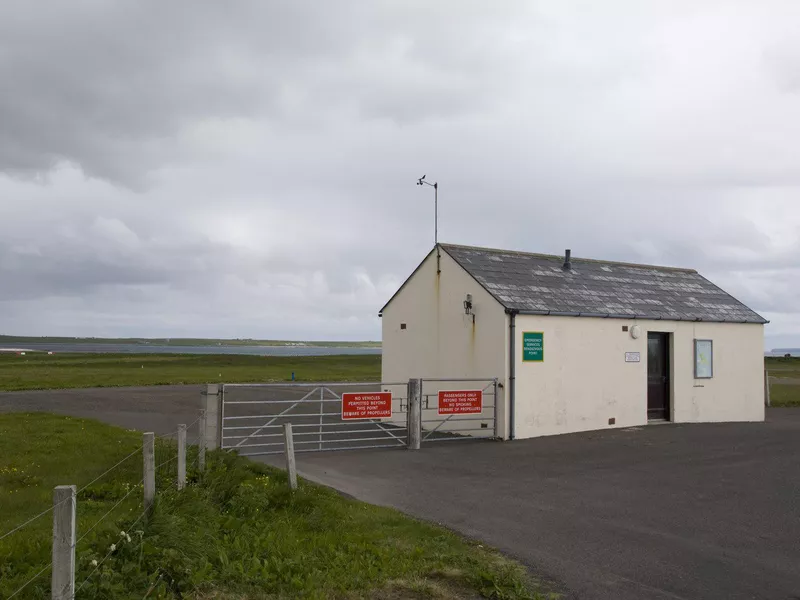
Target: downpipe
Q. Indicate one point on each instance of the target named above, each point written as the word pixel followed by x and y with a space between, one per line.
pixel 512 370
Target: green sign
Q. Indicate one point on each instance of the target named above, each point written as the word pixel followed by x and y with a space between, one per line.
pixel 532 346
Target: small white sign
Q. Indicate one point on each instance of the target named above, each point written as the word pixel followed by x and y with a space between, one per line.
pixel 633 357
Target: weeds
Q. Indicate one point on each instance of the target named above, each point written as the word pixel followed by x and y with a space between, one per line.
pixel 236 531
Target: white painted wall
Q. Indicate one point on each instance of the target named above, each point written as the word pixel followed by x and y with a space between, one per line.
pixel 584 379
pixel 440 340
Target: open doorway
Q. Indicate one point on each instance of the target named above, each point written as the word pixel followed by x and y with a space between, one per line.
pixel 658 383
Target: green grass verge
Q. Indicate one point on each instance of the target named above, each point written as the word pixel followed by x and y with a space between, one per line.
pixel 783 367
pixel 234 532
pixel 43 371
pixel 784 374
pixel 784 395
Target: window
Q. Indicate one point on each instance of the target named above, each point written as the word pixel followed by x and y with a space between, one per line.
pixel 703 359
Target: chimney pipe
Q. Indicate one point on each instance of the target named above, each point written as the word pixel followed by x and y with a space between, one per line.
pixel 567 262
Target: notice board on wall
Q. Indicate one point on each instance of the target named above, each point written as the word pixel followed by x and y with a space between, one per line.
pixel 532 346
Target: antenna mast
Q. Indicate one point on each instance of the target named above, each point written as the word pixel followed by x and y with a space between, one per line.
pixel 435 186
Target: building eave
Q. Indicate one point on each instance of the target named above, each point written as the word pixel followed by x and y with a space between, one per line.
pixel 552 313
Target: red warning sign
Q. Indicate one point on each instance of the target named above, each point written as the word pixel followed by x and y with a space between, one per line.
pixel 367 405
pixel 460 402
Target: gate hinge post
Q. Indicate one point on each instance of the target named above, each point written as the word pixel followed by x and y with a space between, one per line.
pixel 212 402
pixel 414 414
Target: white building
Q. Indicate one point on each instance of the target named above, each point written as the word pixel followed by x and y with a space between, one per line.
pixel 577 344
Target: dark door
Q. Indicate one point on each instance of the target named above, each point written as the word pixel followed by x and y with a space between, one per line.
pixel 657 376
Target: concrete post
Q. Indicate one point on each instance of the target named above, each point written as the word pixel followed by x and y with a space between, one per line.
pixel 291 468
pixel 149 453
pixel 63 576
pixel 201 442
pixel 211 403
pixel 414 414
pixel 767 399
pixel 181 456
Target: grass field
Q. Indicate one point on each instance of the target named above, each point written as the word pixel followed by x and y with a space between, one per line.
pixel 236 532
pixel 43 371
pixel 784 376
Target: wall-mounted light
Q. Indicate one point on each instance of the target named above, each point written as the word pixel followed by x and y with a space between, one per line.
pixel 468 305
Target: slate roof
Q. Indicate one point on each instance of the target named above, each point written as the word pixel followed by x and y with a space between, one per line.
pixel 538 284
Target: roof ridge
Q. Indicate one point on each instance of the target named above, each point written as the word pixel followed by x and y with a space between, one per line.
pixel 573 259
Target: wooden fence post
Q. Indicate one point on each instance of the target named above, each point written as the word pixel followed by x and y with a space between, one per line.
pixel 181 456
pixel 289 447
pixel 414 415
pixel 213 415
pixel 149 453
pixel 767 399
pixel 201 442
pixel 63 575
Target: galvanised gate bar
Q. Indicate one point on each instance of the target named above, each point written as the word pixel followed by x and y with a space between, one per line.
pixel 439 425
pixel 252 415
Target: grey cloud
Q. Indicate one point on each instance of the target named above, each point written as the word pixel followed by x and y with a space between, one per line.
pixel 109 87
pixel 249 169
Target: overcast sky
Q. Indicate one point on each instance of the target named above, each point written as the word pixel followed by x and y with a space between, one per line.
pixel 247 169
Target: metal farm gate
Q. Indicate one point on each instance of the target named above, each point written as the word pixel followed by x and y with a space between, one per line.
pixel 458 409
pixel 253 414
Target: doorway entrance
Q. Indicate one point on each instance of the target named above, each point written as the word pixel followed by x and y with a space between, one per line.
pixel 657 376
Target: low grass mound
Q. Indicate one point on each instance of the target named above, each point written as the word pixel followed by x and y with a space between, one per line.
pixel 35 371
pixel 236 531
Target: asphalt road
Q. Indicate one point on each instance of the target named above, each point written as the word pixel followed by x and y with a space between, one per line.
pixel 663 511
pixel 158 409
pixel 161 408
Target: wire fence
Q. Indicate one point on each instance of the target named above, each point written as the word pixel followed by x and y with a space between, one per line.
pixel 31 580
pixel 47 511
pixel 124 537
pixel 119 483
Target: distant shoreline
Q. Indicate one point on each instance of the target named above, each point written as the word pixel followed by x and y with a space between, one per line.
pixel 20 341
pixel 59 348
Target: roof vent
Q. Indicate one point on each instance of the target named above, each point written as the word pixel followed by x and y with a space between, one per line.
pixel 567 261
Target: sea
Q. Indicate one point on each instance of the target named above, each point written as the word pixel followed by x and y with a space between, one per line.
pixel 309 350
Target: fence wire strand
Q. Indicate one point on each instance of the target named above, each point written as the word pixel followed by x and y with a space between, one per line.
pixel 111 550
pixel 27 583
pixel 171 435
pixel 32 519
pixel 54 506
pixel 169 460
pixel 134 453
pixel 113 508
pixel 163 468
